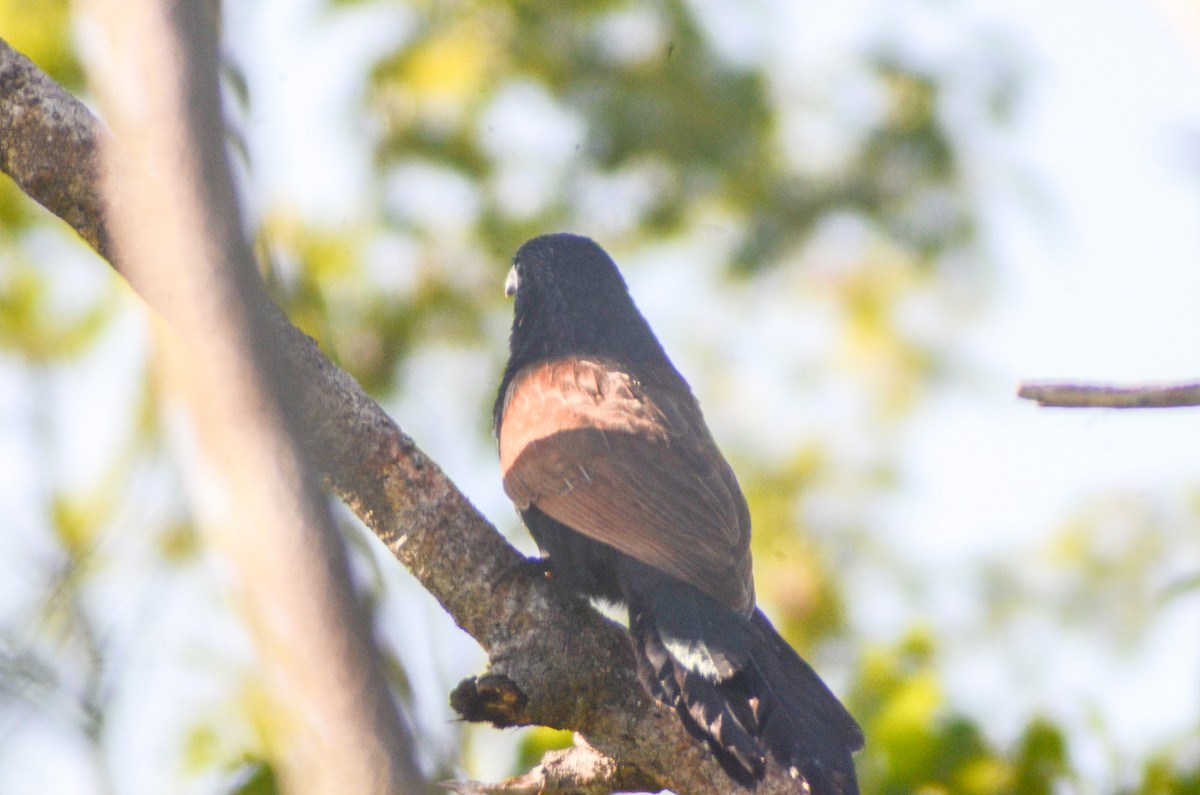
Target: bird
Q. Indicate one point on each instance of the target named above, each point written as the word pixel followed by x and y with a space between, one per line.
pixel 607 458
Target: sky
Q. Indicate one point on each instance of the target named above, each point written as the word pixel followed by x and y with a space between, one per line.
pixel 1099 286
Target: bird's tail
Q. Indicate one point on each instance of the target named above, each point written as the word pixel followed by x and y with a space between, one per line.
pixel 737 685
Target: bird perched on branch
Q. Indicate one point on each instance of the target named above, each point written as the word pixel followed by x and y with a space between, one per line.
pixel 605 454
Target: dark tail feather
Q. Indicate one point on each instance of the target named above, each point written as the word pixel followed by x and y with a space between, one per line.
pixel 704 710
pixel 743 690
pixel 803 724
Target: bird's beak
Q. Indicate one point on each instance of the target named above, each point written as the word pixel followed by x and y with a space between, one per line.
pixel 510 284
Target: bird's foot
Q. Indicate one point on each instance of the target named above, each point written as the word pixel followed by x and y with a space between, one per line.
pixel 525 567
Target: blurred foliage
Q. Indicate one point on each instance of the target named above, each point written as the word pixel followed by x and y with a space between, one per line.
pixel 1111 567
pixel 537 742
pixel 29 324
pixel 260 779
pixel 39 29
pixel 632 121
pixel 650 93
pixel 918 744
pixel 1163 776
pixel 792 570
pixel 16 211
pixel 622 119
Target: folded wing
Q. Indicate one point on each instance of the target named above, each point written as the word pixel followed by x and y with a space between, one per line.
pixel 629 462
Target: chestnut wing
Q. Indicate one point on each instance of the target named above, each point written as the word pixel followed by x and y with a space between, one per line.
pixel 629 464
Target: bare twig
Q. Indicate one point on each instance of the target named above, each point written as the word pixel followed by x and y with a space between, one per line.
pixel 574 668
pixel 1065 395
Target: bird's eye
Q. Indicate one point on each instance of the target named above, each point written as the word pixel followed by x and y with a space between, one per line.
pixel 510 283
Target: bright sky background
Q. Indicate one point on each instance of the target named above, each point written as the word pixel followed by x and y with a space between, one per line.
pixel 1098 282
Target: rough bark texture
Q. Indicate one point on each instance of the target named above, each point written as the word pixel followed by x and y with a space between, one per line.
pixel 573 667
pixel 49 145
pixel 580 770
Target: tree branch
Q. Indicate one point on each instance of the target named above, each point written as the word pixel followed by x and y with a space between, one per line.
pixel 573 668
pixel 1067 395
pixel 50 148
pixel 579 770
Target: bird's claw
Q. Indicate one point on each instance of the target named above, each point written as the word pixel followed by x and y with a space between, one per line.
pixel 534 567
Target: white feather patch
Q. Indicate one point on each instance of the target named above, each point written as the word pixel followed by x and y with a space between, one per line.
pixel 693 657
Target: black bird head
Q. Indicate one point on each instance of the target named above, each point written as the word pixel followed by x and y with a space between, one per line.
pixel 571 299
